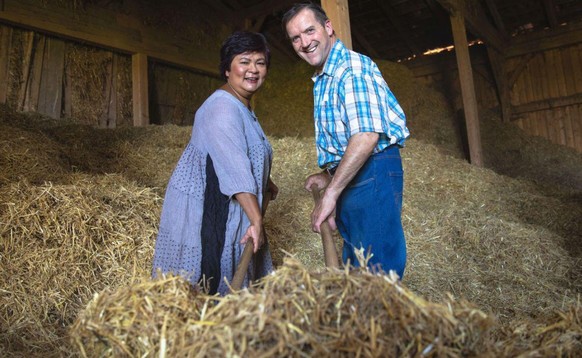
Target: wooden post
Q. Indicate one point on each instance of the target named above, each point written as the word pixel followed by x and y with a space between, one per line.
pixel 467 88
pixel 139 76
pixel 339 15
pixel 502 85
pixel 5 46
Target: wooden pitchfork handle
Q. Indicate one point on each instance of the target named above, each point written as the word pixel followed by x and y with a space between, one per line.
pixel 329 250
pixel 247 255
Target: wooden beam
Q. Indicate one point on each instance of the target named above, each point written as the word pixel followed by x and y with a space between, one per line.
pixel 496 16
pixel 514 75
pixel 547 104
pixel 264 8
pixel 5 46
pixel 405 35
pixel 561 36
pixel 477 22
pixel 467 88
pixel 551 13
pixel 339 14
pixel 501 83
pixel 139 78
pixel 117 32
pixel 360 39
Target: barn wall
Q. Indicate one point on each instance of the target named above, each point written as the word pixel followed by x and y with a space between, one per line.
pixel 65 79
pixel 545 89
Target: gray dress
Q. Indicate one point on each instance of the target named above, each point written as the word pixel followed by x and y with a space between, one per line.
pixel 201 222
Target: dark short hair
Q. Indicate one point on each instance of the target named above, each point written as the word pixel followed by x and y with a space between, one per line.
pixel 319 13
pixel 242 42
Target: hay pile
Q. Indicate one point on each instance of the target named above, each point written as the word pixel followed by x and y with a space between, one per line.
pixel 62 243
pixel 79 210
pixel 291 313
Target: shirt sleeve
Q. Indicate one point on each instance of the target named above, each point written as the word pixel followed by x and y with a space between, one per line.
pixel 227 146
pixel 362 103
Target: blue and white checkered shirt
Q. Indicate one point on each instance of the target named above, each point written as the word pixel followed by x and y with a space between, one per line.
pixel 351 96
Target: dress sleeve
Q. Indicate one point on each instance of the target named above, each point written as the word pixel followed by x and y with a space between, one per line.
pixel 225 141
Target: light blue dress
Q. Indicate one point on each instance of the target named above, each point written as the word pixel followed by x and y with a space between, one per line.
pixel 201 222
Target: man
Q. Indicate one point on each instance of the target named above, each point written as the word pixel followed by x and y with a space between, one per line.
pixel 359 128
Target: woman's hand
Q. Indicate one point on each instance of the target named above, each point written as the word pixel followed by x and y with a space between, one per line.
pixel 255 232
pixel 321 180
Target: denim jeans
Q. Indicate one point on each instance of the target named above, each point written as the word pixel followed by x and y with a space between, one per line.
pixel 368 213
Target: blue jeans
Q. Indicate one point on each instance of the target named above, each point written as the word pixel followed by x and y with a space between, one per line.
pixel 368 213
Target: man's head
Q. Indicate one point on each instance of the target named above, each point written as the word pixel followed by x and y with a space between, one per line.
pixel 310 32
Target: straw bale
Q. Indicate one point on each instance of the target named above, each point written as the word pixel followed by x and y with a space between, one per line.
pixel 292 313
pixel 62 243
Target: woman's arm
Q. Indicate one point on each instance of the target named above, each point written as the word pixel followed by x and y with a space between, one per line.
pixel 251 208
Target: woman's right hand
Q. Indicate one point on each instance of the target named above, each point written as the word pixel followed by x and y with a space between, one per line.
pixel 320 179
pixel 255 232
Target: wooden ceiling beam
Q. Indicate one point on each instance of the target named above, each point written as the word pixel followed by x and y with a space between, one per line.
pixel 405 34
pixel 496 16
pixel 361 40
pixel 120 33
pixel 266 7
pixel 561 36
pixel 477 22
pixel 550 10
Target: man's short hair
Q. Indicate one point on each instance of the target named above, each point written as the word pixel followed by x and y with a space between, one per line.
pixel 319 13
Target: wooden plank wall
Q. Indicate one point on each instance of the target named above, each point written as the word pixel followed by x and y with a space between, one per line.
pixel 545 90
pixel 547 95
pixel 60 78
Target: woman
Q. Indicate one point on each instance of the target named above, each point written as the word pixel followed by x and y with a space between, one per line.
pixel 213 201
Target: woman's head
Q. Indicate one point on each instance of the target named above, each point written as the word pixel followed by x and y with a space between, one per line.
pixel 242 42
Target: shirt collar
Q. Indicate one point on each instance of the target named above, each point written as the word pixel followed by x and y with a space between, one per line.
pixel 333 60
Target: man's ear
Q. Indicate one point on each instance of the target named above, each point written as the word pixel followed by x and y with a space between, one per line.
pixel 328 28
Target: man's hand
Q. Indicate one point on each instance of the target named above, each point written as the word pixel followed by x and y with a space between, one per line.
pixel 360 147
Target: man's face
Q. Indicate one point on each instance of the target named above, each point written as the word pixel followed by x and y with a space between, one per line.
pixel 309 38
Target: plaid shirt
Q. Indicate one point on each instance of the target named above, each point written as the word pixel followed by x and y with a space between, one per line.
pixel 350 96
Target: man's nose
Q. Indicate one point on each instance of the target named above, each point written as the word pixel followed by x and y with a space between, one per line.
pixel 305 42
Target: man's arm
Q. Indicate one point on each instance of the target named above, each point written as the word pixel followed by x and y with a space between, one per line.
pixel 360 147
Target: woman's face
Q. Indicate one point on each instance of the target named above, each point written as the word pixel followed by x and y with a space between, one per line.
pixel 247 72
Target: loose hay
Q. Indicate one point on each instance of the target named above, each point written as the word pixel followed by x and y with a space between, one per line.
pixel 69 229
pixel 62 243
pixel 292 313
